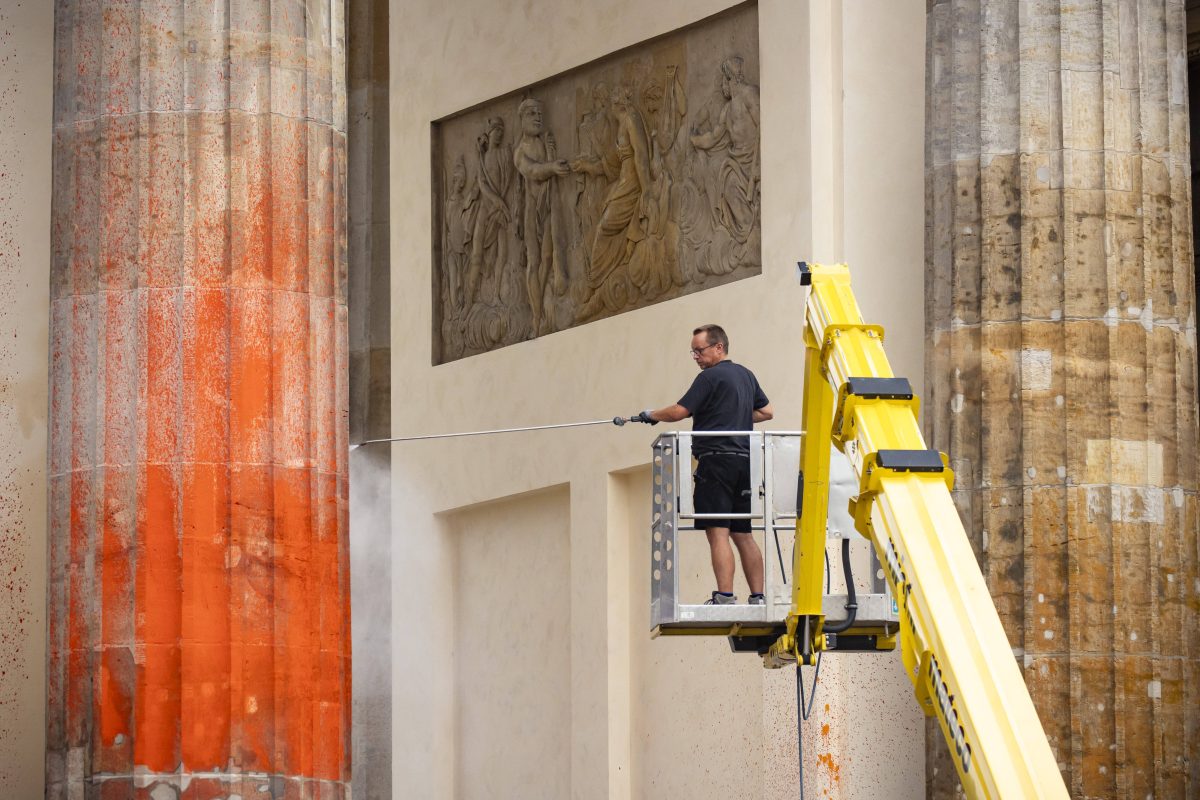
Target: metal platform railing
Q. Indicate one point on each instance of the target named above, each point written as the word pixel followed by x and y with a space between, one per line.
pixel 774 472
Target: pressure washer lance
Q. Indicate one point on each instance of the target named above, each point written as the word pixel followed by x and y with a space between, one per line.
pixel 618 421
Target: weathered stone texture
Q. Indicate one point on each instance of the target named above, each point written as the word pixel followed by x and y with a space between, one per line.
pixel 199 616
pixel 370 307
pixel 1061 366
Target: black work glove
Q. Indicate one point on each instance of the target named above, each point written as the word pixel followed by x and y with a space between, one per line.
pixel 645 417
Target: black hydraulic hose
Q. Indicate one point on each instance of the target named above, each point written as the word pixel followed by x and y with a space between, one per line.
pixel 799 511
pixel 779 551
pixel 851 599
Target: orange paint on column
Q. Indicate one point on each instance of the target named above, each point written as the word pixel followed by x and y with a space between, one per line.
pixel 114 699
pixel 162 256
pixel 158 583
pixel 156 731
pixel 161 392
pixel 343 548
pixel 119 233
pixel 250 163
pixel 251 580
pixel 295 668
pixel 81 621
pixel 205 690
pixel 322 375
pixel 117 517
pixel 331 636
pixel 199 589
pixel 250 376
pixel 293 528
pixel 77 689
pixel 289 198
pixel 252 686
pixel 206 378
pixel 205 685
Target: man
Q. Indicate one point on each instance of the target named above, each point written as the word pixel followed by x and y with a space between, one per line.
pixel 724 397
pixel 538 163
pixel 599 165
pixel 489 238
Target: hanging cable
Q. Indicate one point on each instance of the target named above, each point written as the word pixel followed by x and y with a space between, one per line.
pixel 803 709
pixel 779 550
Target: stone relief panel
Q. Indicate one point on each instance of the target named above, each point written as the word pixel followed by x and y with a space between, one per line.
pixel 625 182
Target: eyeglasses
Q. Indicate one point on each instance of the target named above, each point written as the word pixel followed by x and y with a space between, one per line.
pixel 696 353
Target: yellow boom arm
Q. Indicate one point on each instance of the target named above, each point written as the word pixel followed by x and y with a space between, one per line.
pixel 952 643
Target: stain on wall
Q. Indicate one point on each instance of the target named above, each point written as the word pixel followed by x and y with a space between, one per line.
pixel 26 58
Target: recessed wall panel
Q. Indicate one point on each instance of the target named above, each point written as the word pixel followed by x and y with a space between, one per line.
pixel 512 599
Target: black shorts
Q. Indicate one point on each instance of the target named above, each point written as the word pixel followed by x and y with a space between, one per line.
pixel 723 487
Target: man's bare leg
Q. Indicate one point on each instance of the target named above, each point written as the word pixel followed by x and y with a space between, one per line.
pixel 752 561
pixel 722 558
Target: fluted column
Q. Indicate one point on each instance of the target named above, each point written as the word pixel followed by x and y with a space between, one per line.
pixel 1062 366
pixel 199 600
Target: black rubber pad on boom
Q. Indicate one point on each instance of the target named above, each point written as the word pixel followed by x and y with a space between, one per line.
pixel 910 460
pixel 880 388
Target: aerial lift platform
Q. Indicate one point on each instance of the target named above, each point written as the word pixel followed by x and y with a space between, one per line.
pixel 932 602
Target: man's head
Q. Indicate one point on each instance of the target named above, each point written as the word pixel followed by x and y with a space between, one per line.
pixel 530 112
pixel 652 96
pixel 731 74
pixel 710 345
pixel 458 176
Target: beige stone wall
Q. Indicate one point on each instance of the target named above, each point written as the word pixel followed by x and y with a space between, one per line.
pixel 842 88
pixel 512 692
pixel 26 53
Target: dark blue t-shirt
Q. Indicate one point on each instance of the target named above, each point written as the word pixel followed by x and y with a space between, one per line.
pixel 723 397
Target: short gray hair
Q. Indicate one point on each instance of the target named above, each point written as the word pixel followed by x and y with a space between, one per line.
pixel 714 334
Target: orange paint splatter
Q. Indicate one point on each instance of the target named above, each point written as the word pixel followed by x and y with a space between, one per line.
pixel 835 769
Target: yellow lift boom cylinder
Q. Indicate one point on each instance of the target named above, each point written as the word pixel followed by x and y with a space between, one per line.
pixel 953 645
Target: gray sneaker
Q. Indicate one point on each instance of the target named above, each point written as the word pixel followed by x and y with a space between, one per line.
pixel 719 599
pixel 757 600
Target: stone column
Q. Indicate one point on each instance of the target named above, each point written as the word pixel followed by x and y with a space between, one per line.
pixel 370 306
pixel 199 598
pixel 1061 366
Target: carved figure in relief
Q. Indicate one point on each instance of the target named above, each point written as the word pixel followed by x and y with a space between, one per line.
pixel 598 164
pixel 537 161
pixel 628 256
pixel 665 107
pixel 456 236
pixel 489 237
pixel 734 196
